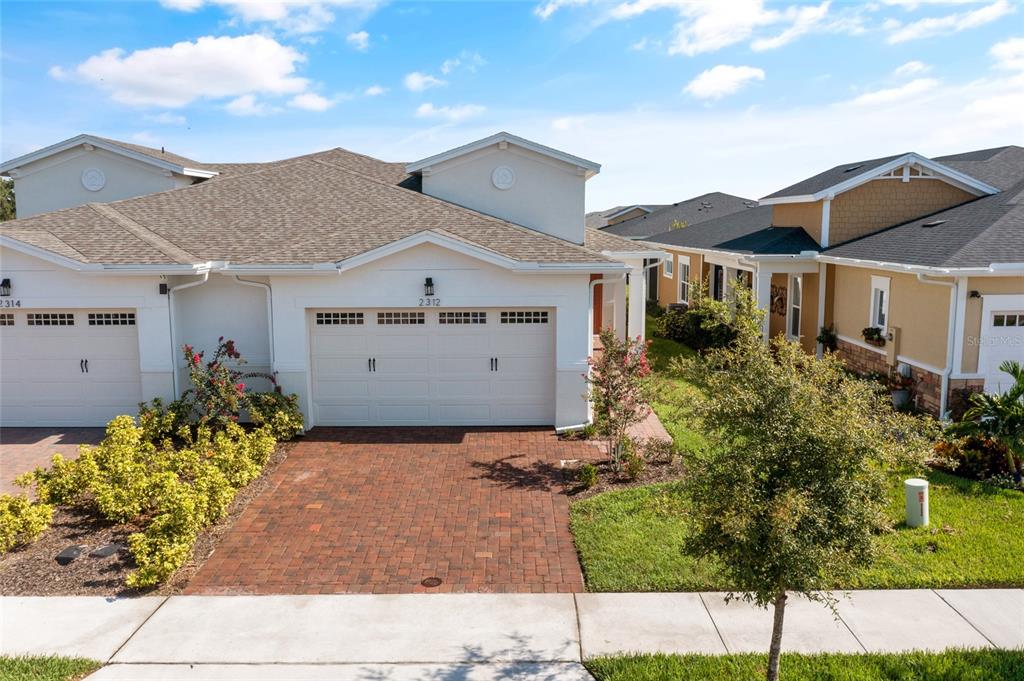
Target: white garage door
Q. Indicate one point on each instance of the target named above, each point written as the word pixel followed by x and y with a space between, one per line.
pixel 1003 334
pixel 68 367
pixel 414 367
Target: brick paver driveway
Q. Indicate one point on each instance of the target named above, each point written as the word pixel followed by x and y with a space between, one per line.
pixel 374 510
pixel 25 449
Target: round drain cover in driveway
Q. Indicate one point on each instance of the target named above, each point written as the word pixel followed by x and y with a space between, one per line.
pixel 431 582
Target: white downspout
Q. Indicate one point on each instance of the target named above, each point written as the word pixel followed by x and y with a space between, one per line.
pixel 950 337
pixel 270 312
pixel 170 319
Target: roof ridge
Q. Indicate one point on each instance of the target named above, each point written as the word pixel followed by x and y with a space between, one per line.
pixel 166 247
pixel 458 207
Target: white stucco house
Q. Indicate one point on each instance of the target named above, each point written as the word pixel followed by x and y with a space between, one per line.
pixel 461 289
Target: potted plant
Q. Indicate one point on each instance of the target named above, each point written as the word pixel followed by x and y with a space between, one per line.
pixel 899 388
pixel 828 338
pixel 873 336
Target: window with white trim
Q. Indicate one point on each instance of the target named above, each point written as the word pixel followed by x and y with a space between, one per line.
pixel 684 278
pixel 339 318
pixel 111 319
pixel 51 319
pixel 669 268
pixel 389 318
pixel 7 319
pixel 796 296
pixel 462 317
pixel 879 313
pixel 524 317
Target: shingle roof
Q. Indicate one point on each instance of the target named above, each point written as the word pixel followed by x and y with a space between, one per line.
pixel 600 240
pixel 747 231
pixel 975 234
pixel 158 154
pixel 691 212
pixel 309 210
pixel 599 218
pixel 831 177
pixel 1002 167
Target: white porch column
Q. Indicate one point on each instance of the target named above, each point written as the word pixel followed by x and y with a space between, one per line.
pixel 728 276
pixel 763 286
pixel 617 292
pixel 637 299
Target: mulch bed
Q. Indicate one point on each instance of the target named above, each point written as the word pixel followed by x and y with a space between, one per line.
pixel 608 479
pixel 33 570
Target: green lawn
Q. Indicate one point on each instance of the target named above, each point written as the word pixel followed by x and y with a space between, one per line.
pixel 673 386
pixel 953 665
pixel 631 540
pixel 52 668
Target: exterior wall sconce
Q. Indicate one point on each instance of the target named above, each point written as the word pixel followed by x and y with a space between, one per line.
pixel 5 288
pixel 428 286
pixel 975 294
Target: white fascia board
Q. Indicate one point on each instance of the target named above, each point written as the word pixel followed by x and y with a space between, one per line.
pixel 48 256
pixel 427 237
pixel 955 177
pixel 650 255
pixel 993 270
pixel 590 167
pixel 79 140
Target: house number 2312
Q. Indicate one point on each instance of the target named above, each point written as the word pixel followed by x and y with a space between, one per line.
pixel 430 302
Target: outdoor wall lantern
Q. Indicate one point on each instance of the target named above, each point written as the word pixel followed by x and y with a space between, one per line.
pixel 428 286
pixel 5 288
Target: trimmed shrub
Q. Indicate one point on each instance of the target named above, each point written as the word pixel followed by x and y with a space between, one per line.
pixel 974 457
pixel 21 521
pixel 706 325
pixel 281 412
pixel 587 475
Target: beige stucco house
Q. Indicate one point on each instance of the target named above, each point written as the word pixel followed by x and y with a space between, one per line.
pixel 928 251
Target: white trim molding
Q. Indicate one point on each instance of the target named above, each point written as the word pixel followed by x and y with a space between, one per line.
pixel 589 168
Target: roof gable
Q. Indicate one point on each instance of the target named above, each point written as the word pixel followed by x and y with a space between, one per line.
pixel 155 157
pixel 844 177
pixel 503 140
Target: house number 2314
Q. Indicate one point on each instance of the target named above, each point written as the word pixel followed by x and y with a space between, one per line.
pixel 430 302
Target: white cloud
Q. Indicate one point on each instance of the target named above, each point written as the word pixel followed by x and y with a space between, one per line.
pixel 293 16
pixel 453 114
pixel 722 80
pixel 145 138
pixel 911 68
pixel 804 20
pixel 375 91
pixel 1009 54
pixel 166 118
pixel 567 123
pixel 546 9
pixel 246 105
pixel 212 68
pixel 466 60
pixel 359 40
pixel 58 73
pixel 895 94
pixel 639 45
pixel 951 23
pixel 418 82
pixel 310 101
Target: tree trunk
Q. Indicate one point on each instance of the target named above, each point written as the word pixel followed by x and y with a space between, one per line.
pixel 776 647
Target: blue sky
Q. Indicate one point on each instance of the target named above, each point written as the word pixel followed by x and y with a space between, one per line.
pixel 673 98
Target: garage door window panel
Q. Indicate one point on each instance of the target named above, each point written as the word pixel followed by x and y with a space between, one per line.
pixel 51 319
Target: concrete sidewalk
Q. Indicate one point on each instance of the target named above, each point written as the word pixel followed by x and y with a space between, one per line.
pixel 477 636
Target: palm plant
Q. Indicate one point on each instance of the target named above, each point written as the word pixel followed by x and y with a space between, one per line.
pixel 999 417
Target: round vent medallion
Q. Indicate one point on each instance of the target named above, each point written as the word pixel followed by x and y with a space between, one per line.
pixel 503 177
pixel 93 179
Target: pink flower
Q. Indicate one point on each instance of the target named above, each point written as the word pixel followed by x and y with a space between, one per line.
pixel 195 359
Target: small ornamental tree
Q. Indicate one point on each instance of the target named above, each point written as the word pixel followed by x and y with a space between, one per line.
pixel 618 389
pixel 792 488
pixel 218 391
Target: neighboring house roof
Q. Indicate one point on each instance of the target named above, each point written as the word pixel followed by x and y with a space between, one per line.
pixel 590 168
pixel 314 209
pixel 691 212
pixel 599 218
pixel 601 241
pixel 1002 167
pixel 167 161
pixel 849 175
pixel 974 234
pixel 747 231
